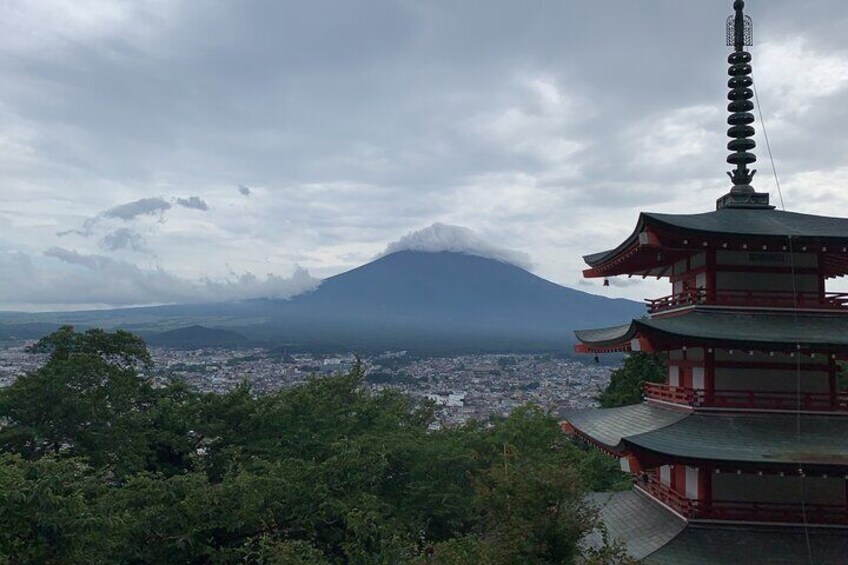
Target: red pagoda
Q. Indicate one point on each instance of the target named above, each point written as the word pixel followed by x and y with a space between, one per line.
pixel 742 454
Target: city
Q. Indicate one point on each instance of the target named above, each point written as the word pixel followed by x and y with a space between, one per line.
pixel 464 387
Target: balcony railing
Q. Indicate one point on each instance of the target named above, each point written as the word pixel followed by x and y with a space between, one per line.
pixel 734 511
pixel 748 399
pixel 773 512
pixel 762 298
pixel 668 496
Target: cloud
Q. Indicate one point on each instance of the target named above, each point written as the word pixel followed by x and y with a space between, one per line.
pixel 125 212
pixel 65 276
pixel 123 238
pixel 129 212
pixel 142 207
pixel 194 203
pixel 481 113
pixel 795 75
pixel 442 237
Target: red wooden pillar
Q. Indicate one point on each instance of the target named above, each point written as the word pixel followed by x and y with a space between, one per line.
pixel 705 490
pixel 678 479
pixel 711 262
pixel 832 368
pixel 709 376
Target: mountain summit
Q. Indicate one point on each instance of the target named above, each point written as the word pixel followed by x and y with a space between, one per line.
pixel 446 296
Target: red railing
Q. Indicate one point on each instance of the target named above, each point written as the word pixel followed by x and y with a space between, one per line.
pixel 668 393
pixel 773 512
pixel 748 399
pixel 733 511
pixel 774 299
pixel 668 496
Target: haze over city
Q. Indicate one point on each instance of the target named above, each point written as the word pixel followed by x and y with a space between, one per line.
pixel 170 151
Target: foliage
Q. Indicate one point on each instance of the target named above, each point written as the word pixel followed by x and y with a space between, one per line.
pixel 625 386
pixel 100 467
pixel 842 378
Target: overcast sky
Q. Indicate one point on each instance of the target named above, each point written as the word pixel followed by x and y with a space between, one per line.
pixel 166 150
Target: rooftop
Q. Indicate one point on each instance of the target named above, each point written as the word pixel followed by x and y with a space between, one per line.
pixel 730 329
pixel 744 225
pixel 722 438
pixel 651 533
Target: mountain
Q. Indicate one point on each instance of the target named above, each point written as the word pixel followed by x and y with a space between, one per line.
pixel 414 300
pixel 193 337
pixel 445 296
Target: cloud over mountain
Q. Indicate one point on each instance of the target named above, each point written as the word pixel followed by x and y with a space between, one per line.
pixel 443 237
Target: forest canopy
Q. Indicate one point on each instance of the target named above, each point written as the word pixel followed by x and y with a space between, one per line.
pixel 99 466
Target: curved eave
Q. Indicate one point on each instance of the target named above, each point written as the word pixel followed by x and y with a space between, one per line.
pixel 748 223
pixel 603 339
pixel 596 260
pixel 724 329
pixel 606 428
pixel 730 544
pixel 745 439
pixel 641 525
pixel 642 254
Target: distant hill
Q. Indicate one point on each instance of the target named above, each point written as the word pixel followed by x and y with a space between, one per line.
pixel 193 337
pixel 25 330
pixel 419 301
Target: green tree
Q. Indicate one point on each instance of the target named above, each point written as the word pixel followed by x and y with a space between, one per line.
pixel 85 400
pixel 842 378
pixel 104 468
pixel 48 511
pixel 625 386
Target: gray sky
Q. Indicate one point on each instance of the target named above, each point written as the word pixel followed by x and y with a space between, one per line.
pixel 167 150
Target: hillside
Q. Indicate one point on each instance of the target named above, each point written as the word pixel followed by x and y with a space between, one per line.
pixel 196 336
pixel 439 299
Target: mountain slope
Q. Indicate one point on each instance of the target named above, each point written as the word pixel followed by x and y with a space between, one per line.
pixel 406 294
pixel 196 336
pixel 456 288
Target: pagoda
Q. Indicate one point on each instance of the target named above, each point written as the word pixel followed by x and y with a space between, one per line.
pixel 742 453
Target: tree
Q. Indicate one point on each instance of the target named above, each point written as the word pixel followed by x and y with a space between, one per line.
pixel 107 469
pixel 842 378
pixel 85 400
pixel 625 386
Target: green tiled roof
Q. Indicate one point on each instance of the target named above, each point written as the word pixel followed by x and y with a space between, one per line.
pixel 609 426
pixel 751 438
pixel 727 545
pixel 654 535
pixel 731 329
pixel 768 223
pixel 633 520
pixel 606 336
pixel 738 222
pixel 736 437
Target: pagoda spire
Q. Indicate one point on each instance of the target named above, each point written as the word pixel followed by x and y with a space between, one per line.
pixel 740 34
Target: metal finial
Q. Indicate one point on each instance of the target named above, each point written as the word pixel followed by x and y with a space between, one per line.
pixel 739 35
pixel 740 28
